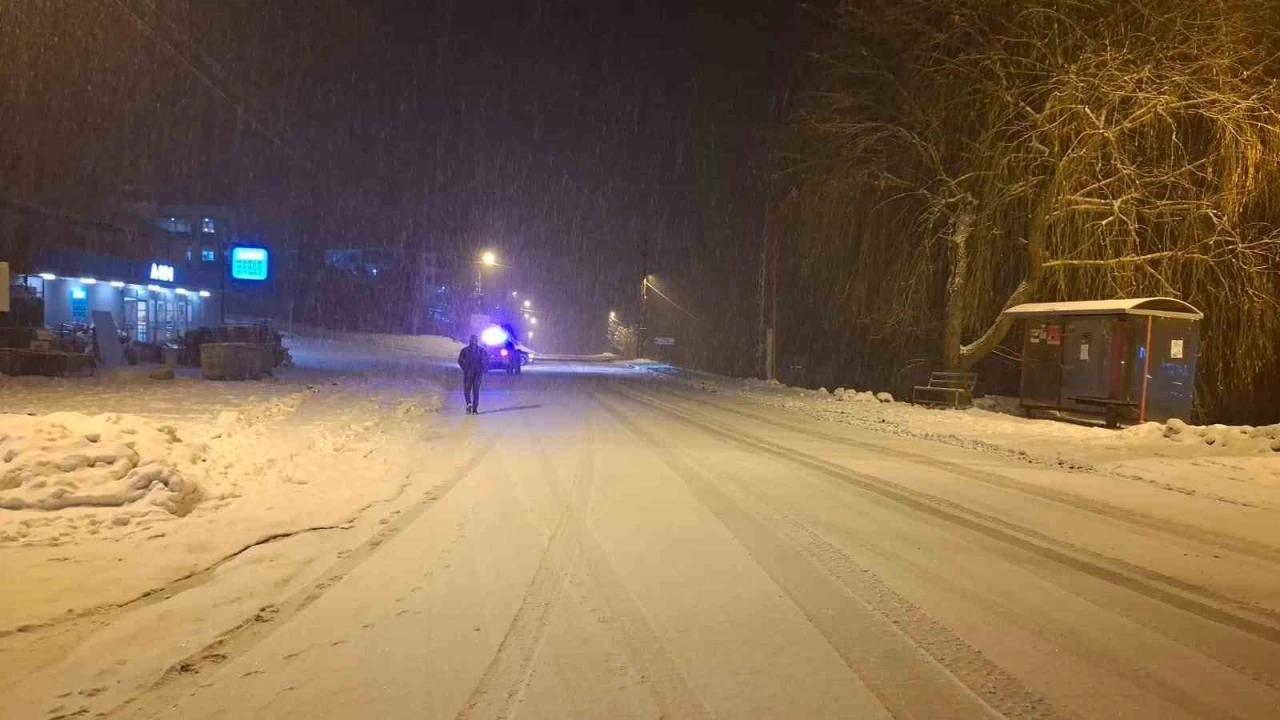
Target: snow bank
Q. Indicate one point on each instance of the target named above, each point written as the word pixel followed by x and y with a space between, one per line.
pixel 1239 439
pixel 322 340
pixel 1230 463
pixel 69 460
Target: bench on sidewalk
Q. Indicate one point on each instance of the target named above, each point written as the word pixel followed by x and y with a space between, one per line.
pixel 1112 407
pixel 950 389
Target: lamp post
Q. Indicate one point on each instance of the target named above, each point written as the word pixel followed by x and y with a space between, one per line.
pixel 487 258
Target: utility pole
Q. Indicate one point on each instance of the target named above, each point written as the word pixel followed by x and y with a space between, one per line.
pixel 768 304
pixel 771 335
pixel 762 321
pixel 644 295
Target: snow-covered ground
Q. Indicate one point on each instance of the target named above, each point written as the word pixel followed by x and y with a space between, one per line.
pixel 1238 464
pixel 145 481
pixel 614 539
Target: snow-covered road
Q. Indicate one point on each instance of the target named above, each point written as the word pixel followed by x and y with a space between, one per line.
pixel 603 543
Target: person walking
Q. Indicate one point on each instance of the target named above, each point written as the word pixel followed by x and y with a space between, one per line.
pixel 473 360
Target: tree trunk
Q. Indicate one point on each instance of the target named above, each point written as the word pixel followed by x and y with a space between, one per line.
pixel 990 339
pixel 957 284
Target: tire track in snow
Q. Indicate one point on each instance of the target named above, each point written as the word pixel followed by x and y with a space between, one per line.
pixel 1253 662
pixel 903 670
pixel 1136 518
pixel 176 681
pixel 1202 602
pixel 571 550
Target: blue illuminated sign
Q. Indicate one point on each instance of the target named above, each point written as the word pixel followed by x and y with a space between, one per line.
pixel 248 263
pixel 79 304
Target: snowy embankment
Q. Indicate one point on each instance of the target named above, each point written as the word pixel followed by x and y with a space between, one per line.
pixel 70 460
pixel 316 340
pixel 111 489
pixel 1238 464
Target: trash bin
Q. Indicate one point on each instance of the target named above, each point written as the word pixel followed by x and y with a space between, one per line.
pixel 236 361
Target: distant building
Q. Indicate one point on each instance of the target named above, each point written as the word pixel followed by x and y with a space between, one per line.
pixel 231 239
pixel 376 262
pixel 387 289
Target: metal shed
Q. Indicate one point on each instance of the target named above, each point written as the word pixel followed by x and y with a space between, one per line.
pixel 1130 360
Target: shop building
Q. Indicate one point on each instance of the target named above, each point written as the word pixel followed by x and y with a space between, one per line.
pixel 151 302
pixel 64 267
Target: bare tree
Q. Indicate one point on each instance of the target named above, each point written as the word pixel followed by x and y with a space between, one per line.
pixel 1041 150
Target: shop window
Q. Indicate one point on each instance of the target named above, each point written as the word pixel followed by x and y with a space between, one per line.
pixel 141 330
pixel 206 225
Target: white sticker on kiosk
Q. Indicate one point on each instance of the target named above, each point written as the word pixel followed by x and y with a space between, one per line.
pixel 1084 351
pixel 1175 349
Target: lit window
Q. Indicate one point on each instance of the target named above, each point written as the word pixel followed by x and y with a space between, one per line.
pixel 208 255
pixel 206 225
pixel 174 224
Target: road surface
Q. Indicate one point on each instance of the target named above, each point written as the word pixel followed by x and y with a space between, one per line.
pixel 608 545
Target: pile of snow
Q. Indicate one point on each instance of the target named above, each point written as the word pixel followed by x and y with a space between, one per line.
pixel 323 340
pixel 1234 464
pixel 1238 439
pixel 68 460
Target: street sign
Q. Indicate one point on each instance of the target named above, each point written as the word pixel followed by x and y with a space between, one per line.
pixel 664 341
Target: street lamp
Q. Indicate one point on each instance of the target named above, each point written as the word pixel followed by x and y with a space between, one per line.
pixel 487 258
pixel 533 321
pixel 528 304
pixel 613 315
pixel 514 293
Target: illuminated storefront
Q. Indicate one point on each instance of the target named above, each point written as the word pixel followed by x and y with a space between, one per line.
pixel 151 302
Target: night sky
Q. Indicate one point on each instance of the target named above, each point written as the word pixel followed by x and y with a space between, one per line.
pixel 561 134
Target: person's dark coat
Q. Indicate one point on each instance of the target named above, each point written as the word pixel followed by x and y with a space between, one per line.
pixel 473 360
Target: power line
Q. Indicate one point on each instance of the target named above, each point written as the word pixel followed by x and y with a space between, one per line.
pixel 673 302
pixel 191 66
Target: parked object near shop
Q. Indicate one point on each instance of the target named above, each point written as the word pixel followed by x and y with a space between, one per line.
pixel 236 361
pixel 237 352
pixel 1128 361
pixel 50 363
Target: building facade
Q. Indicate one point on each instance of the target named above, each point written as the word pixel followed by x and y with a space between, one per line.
pixel 155 283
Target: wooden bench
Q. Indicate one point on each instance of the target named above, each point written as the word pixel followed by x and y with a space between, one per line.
pixel 1111 407
pixel 952 389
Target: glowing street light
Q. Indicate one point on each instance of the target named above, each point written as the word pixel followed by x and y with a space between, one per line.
pixel 613 315
pixel 489 258
pixel 533 321
pixel 530 334
pixel 528 304
pixel 514 293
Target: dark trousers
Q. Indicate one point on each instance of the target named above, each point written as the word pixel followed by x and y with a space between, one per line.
pixel 471 388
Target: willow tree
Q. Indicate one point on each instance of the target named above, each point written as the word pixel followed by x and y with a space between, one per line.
pixel 975 154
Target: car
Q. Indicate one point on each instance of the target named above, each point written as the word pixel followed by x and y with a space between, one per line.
pixel 504 352
pixel 508 357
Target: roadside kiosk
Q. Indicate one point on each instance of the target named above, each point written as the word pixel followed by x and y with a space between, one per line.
pixel 1129 360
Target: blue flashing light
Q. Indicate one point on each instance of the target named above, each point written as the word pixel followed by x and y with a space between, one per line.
pixel 493 336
